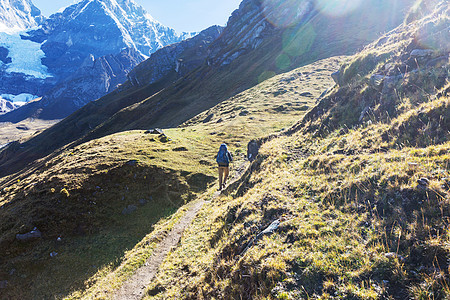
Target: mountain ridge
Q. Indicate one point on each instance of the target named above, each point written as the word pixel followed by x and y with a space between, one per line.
pixel 66 39
pixel 156 105
pixel 18 15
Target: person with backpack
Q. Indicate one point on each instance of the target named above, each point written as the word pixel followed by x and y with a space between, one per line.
pixel 223 159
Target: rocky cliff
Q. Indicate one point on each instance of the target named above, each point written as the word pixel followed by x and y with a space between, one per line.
pixel 180 58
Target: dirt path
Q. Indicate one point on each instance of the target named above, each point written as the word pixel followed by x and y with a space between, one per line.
pixel 135 287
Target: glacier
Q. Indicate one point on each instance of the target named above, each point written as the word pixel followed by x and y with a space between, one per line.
pixel 26 56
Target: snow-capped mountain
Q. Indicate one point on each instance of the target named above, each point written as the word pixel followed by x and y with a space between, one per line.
pixel 98 28
pixel 6 106
pixel 38 59
pixel 18 15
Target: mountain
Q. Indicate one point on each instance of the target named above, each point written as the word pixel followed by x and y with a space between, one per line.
pixel 98 28
pixel 18 15
pixel 254 46
pixel 97 77
pixel 51 54
pixel 6 106
pixel 94 79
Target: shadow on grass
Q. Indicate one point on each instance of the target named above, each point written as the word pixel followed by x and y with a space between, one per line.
pixel 98 223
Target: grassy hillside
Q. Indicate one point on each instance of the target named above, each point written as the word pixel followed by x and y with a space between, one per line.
pixel 355 184
pixel 81 193
pixel 363 198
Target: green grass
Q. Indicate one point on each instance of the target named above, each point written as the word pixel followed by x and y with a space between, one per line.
pixel 357 222
pixel 87 186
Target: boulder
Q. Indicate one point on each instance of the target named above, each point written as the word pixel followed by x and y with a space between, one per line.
pixel 23 127
pixel 307 94
pixel 208 118
pixel 376 80
pixel 336 77
pixel 424 182
pixel 252 150
pixel 391 82
pixel 438 62
pixel 154 131
pixel 421 52
pixel 163 138
pixel 180 149
pixel 33 234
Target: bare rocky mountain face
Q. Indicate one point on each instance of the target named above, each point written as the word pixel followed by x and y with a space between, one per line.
pixel 94 79
pixel 46 60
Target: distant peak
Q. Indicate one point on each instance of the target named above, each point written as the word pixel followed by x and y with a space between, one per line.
pixel 18 15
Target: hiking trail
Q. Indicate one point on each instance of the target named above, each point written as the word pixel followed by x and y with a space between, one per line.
pixel 134 288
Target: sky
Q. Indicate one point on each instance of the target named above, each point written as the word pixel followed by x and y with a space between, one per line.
pixel 181 15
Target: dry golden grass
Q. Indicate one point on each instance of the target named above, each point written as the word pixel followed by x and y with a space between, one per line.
pixel 10 132
pixel 83 189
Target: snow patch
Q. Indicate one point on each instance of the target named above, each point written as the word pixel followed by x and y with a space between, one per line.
pixel 25 55
pixel 20 99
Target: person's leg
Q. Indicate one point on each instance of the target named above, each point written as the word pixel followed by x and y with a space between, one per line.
pixel 221 171
pixel 226 173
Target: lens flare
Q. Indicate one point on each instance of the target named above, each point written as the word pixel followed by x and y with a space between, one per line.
pixel 297 41
pixel 337 8
pixel 285 13
pixel 283 61
pixel 266 75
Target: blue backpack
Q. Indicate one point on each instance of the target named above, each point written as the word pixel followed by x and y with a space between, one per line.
pixel 222 157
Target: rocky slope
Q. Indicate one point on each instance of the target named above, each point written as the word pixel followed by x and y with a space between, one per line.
pixel 181 58
pixel 6 106
pixel 255 45
pixel 95 78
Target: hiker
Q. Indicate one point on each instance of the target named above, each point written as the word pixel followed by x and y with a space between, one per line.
pixel 223 159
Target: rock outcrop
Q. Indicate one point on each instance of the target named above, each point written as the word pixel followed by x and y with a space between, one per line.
pixel 178 59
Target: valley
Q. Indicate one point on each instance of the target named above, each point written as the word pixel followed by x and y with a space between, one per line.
pixel 10 132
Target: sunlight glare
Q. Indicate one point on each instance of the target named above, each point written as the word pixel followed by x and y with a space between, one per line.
pixel 337 8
